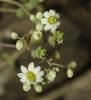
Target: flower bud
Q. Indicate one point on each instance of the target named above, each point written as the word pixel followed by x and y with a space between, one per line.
pixel 40 52
pixel 38 88
pixel 72 65
pixel 37 35
pixel 57 55
pixel 26 88
pixel 39 15
pixel 39 27
pixel 19 44
pixel 69 73
pixel 33 18
pixel 51 75
pixel 14 35
pixel 57 69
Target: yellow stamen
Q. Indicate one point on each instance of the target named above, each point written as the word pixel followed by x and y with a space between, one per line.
pixel 52 20
pixel 31 76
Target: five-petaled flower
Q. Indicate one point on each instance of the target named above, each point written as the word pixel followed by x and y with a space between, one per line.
pixel 51 20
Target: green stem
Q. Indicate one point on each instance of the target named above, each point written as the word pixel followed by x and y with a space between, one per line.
pixel 8 10
pixel 43 60
pixel 7 45
pixel 17 4
pixel 55 64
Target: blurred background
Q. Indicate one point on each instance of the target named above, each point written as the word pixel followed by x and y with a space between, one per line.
pixel 76 23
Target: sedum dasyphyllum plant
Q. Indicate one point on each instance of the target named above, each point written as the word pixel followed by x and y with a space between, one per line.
pixel 47 29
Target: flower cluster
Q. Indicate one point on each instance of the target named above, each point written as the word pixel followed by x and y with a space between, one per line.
pixel 34 76
pixel 49 21
pixel 47 29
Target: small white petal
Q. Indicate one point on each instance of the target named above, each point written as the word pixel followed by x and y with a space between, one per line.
pixel 41 73
pixel 47 27
pixel 58 24
pixel 46 14
pixel 39 80
pixel 53 28
pixel 21 75
pixel 57 15
pixel 44 21
pixel 37 69
pixel 52 12
pixel 23 69
pixel 31 66
pixel 28 82
pixel 22 80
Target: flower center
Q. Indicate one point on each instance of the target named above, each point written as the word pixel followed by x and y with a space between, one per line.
pixel 52 20
pixel 31 76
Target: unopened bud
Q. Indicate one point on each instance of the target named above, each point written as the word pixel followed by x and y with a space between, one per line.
pixel 38 88
pixel 19 44
pixel 26 88
pixel 14 35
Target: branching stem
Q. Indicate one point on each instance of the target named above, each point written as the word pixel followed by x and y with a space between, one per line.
pixel 17 4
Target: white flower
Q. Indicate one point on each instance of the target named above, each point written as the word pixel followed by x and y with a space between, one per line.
pixel 50 20
pixel 32 75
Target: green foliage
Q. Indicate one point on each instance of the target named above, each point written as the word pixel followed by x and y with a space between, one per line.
pixel 20 13
pixel 40 52
pixel 30 4
pixel 58 36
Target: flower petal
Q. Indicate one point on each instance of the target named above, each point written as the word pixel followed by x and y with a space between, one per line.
pixel 53 28
pixel 52 12
pixel 44 21
pixel 47 27
pixel 57 15
pixel 31 66
pixel 37 69
pixel 21 75
pixel 22 80
pixel 46 14
pixel 41 73
pixel 39 80
pixel 23 69
pixel 58 24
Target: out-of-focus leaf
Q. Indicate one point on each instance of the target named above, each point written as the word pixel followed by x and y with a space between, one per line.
pixel 20 13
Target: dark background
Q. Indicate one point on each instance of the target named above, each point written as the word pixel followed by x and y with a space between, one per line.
pixel 76 23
